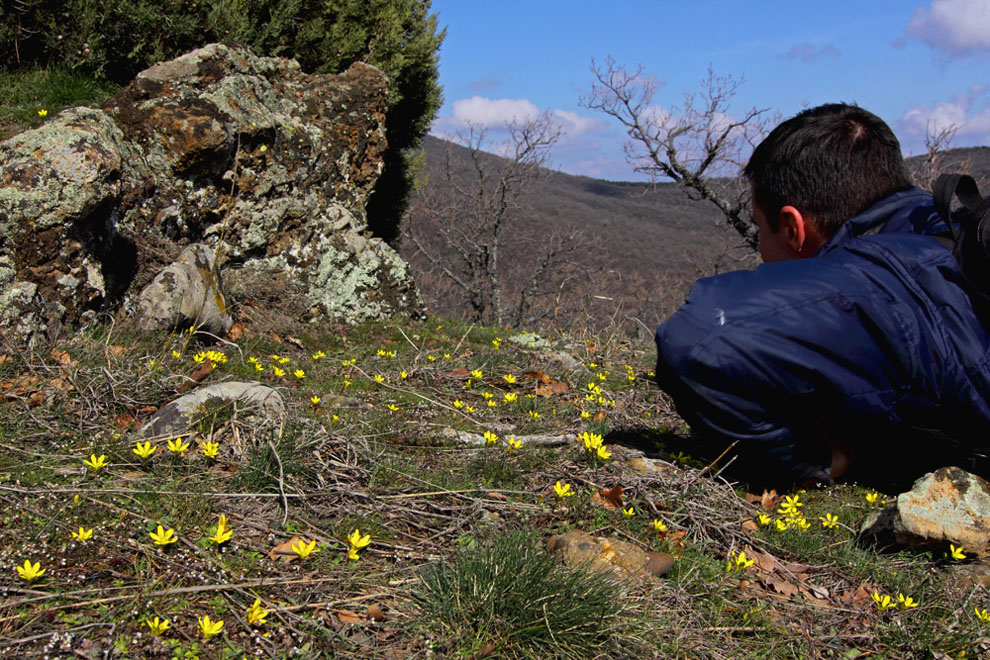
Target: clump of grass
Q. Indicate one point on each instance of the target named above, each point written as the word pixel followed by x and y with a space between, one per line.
pixel 512 594
pixel 23 92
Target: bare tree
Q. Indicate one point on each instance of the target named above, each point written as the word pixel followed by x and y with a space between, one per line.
pixel 691 144
pixel 462 225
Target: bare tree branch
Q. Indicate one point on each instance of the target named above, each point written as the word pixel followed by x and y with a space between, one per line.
pixel 692 144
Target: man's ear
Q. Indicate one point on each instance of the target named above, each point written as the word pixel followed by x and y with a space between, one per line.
pixel 799 234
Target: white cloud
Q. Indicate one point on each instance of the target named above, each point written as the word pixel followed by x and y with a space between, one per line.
pixel 968 113
pixel 481 111
pixel 956 27
pixel 808 52
pixel 574 124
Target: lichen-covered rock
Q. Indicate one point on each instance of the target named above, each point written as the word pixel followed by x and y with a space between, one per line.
pixel 247 155
pixel 949 505
pixel 186 293
pixel 58 185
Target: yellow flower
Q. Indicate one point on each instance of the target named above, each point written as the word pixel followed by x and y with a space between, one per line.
pixel 29 571
pixel 490 439
pixel 304 549
pixel 403 375
pixel 790 506
pixel 872 497
pixel 379 378
pixel 176 354
pixel 630 378
pixel 358 541
pixel 764 520
pixel 158 626
pixel 380 352
pixel 487 395
pixel 163 536
pixel 982 615
pixel 509 378
pixel 585 414
pixel 392 407
pixel 496 344
pixel 446 356
pixel 210 449
pixel 299 373
pixel 177 446
pixel 42 113
pixel 659 526
pixel 476 373
pixel 883 602
pixel 209 628
pixel 144 451
pixel 258 367
pixel 906 601
pixel 592 441
pixel 492 403
pixel 199 358
pixel 458 404
pixel 510 397
pixel 602 376
pixel 315 399
pixel 283 360
pixel 629 513
pixel 741 562
pixel 562 490
pixel 829 521
pixel 534 414
pixel 96 463
pixel 468 409
pixel 431 358
pixel 256 613
pixel 319 354
pixel 222 534
pixel 511 444
pixel 602 453
pixel 956 552
pixel 83 534
pixel 779 525
pixel 278 372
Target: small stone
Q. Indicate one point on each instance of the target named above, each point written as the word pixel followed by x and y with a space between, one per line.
pixel 620 558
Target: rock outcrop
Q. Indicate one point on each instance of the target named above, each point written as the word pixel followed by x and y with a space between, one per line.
pixel 266 165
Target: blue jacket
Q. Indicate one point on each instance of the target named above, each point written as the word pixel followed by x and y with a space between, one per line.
pixel 873 340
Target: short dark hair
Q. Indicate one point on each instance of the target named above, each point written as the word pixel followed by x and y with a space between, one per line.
pixel 831 162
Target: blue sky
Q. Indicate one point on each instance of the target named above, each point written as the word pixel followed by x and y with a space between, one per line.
pixel 914 63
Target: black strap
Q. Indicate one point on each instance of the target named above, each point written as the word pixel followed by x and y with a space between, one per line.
pixel 948 186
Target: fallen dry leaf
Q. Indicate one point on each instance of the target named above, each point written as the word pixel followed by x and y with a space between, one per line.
pixel 497 496
pixel 750 525
pixel 117 350
pixel 236 331
pixel 460 372
pixel 610 498
pixel 549 389
pixel 538 375
pixel 295 342
pixel 375 612
pixel 599 416
pixel 123 421
pixel 284 552
pixel 346 616
pixel 768 500
pixel 483 652
pixel 62 357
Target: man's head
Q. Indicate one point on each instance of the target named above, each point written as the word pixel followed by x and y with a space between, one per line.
pixel 820 168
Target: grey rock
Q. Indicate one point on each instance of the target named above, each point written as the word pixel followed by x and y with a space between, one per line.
pixel 949 505
pixel 188 292
pixel 179 416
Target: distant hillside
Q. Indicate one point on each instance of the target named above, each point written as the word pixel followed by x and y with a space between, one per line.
pixel 645 244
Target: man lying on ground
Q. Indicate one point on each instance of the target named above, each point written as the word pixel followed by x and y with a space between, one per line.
pixel 854 348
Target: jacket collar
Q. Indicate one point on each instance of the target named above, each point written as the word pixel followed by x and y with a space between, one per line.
pixel 908 211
